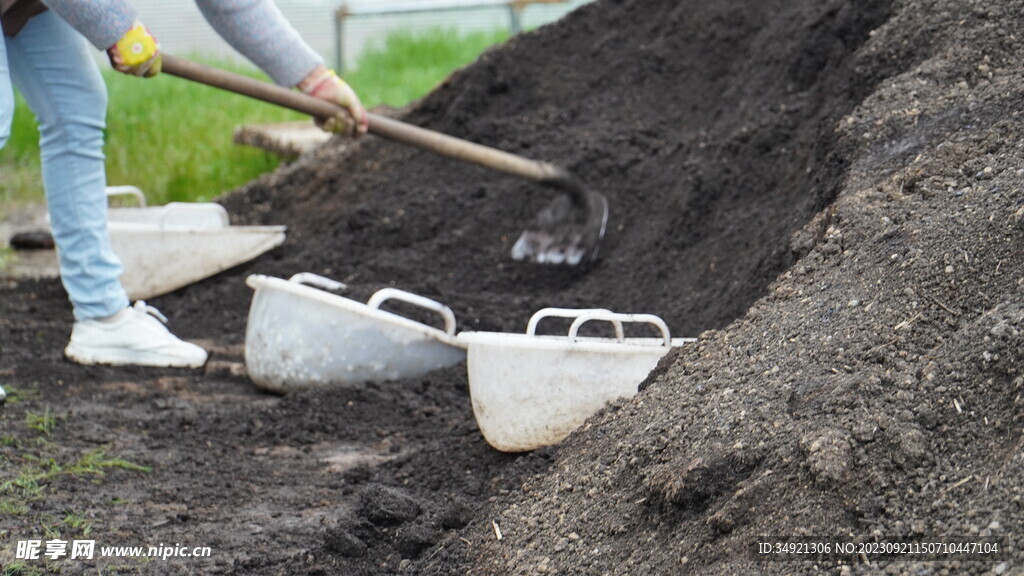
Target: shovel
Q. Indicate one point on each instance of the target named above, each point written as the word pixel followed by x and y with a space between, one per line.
pixel 568 231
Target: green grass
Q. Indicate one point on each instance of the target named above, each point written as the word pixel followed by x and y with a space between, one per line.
pixel 173 138
pixel 405 67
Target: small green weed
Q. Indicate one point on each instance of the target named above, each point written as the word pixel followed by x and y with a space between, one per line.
pixel 95 462
pixel 21 568
pixel 50 526
pixel 12 507
pixel 34 473
pixel 15 394
pixel 78 523
pixel 44 423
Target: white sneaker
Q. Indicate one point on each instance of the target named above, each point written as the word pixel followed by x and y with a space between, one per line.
pixel 138 338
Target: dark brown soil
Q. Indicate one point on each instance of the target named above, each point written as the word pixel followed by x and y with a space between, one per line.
pixel 827 192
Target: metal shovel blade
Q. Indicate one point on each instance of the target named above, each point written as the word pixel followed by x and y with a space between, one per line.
pixel 567 231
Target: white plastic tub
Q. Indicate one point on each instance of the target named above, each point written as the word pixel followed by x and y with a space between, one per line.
pixel 163 248
pixel 300 336
pixel 530 391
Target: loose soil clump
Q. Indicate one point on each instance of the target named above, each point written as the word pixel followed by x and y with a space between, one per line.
pixel 828 193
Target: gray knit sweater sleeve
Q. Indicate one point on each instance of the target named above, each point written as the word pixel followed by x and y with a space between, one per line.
pixel 102 22
pixel 260 32
pixel 256 28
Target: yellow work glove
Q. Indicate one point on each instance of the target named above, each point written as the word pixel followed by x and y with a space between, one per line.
pixel 325 84
pixel 136 53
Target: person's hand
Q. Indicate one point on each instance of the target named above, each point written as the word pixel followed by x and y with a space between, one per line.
pixel 325 84
pixel 136 53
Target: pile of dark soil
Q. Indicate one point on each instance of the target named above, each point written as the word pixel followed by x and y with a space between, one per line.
pixel 709 128
pixel 828 192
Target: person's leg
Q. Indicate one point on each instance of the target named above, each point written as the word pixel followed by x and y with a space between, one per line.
pixel 6 94
pixel 54 71
pixel 52 67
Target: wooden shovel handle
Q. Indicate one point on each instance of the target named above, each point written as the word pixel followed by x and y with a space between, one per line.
pixel 385 127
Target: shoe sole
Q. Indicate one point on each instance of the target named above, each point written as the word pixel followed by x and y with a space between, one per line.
pixel 118 357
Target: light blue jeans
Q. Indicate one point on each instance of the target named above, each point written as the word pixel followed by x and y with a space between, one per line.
pixel 53 69
pixel 6 96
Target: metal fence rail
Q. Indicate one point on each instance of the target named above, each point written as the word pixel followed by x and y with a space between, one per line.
pixel 349 11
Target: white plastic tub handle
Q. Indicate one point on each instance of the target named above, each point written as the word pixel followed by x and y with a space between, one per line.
pixel 531 327
pixel 318 281
pixel 613 317
pixel 127 191
pixel 388 293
